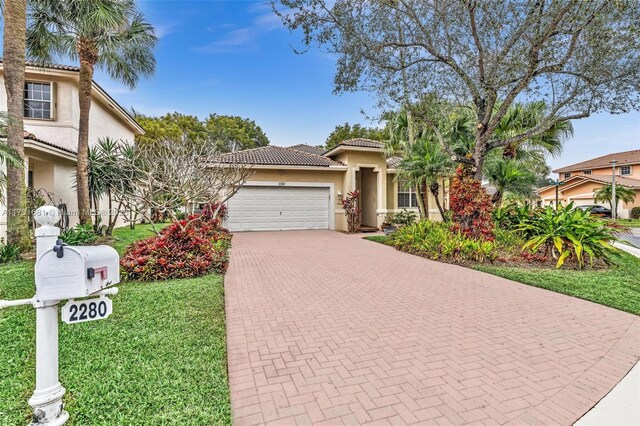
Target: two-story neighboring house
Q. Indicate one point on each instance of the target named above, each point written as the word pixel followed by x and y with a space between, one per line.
pixel 51 116
pixel 579 181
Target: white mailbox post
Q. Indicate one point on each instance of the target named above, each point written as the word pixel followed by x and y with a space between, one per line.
pixel 63 272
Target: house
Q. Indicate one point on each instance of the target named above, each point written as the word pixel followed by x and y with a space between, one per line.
pixel 579 181
pixel 51 115
pixel 300 187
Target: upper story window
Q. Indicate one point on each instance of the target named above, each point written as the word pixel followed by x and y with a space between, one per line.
pixel 406 195
pixel 625 170
pixel 38 101
pixel 586 172
pixel 567 175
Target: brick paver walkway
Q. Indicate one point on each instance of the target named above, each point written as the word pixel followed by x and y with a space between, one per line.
pixel 325 327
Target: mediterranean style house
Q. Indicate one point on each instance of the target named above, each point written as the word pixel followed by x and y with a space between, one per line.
pixel 51 114
pixel 579 181
pixel 301 187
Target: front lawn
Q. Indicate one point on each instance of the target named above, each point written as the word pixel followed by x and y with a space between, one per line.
pixel 617 287
pixel 160 358
pixel 631 223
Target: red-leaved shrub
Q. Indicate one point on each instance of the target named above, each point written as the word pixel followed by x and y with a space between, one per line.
pixel 470 206
pixel 188 248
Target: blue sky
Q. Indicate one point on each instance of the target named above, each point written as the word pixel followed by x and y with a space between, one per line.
pixel 236 58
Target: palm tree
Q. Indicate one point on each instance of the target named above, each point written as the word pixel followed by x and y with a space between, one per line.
pixel 509 177
pixel 109 34
pixel 604 195
pixel 425 163
pixel 15 22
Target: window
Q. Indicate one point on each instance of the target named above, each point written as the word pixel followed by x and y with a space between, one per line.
pixel 37 100
pixel 567 175
pixel 586 172
pixel 406 195
pixel 625 170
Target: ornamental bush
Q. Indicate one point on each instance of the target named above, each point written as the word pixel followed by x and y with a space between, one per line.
pixel 437 241
pixel 195 246
pixel 635 213
pixel 470 206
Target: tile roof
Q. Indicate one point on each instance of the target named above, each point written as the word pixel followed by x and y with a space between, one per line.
pixel 308 149
pixel 272 155
pixel 393 162
pixel 620 180
pixel 627 157
pixel 32 137
pixel 363 143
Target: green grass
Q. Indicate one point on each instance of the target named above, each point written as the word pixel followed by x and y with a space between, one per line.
pixel 617 287
pixel 159 359
pixel 382 239
pixel 632 223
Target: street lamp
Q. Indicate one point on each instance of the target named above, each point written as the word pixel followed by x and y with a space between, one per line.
pixel 614 200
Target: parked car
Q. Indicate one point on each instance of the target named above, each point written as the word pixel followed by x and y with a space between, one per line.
pixel 596 209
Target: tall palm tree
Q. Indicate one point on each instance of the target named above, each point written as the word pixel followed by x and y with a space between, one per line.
pixel 15 22
pixel 109 34
pixel 604 195
pixel 509 177
pixel 425 163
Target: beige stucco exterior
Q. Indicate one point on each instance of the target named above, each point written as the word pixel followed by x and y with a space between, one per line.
pixel 364 169
pixel 53 167
pixel 603 171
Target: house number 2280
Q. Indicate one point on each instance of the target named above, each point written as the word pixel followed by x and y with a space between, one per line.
pixel 86 310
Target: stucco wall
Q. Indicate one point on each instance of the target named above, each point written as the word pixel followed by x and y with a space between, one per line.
pixel 582 194
pixel 606 171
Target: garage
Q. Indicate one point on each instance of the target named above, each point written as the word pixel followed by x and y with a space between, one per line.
pixel 278 208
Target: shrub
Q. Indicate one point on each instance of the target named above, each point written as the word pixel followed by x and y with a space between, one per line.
pixel 470 206
pixel 8 252
pixel 568 234
pixel 188 248
pixel 405 217
pixel 80 235
pixel 437 241
pixel 510 217
pixel 635 213
pixel 352 211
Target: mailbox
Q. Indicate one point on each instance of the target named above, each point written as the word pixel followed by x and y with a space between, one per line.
pixel 69 272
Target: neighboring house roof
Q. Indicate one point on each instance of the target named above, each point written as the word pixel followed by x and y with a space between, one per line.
pixel 60 67
pixel 626 157
pixel 603 179
pixel 272 155
pixel 308 149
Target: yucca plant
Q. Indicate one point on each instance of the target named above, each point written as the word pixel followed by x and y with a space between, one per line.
pixel 569 234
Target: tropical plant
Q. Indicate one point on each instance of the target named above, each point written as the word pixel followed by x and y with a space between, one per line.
pixel 10 158
pixel 424 164
pixel 188 248
pixel 509 177
pixel 80 235
pixel 635 213
pixel 470 206
pixel 569 234
pixel 604 194
pixel 352 211
pixel 9 252
pixel 109 34
pixel 13 63
pixel 437 241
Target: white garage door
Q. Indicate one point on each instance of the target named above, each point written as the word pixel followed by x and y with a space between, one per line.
pixel 269 208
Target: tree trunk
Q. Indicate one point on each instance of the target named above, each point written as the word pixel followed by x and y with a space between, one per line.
pixel 15 22
pixel 88 57
pixel 497 199
pixel 422 209
pixel 435 189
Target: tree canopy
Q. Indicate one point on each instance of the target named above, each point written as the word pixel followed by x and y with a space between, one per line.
pixel 346 131
pixel 229 133
pixel 579 57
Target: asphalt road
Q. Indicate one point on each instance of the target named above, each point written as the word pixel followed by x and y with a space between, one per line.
pixel 632 238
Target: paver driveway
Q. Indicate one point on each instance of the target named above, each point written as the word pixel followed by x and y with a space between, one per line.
pixel 329 327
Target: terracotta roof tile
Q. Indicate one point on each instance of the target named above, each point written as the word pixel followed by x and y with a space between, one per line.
pixel 363 143
pixel 627 157
pixel 620 180
pixel 309 149
pixel 393 162
pixel 272 155
pixel 32 137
